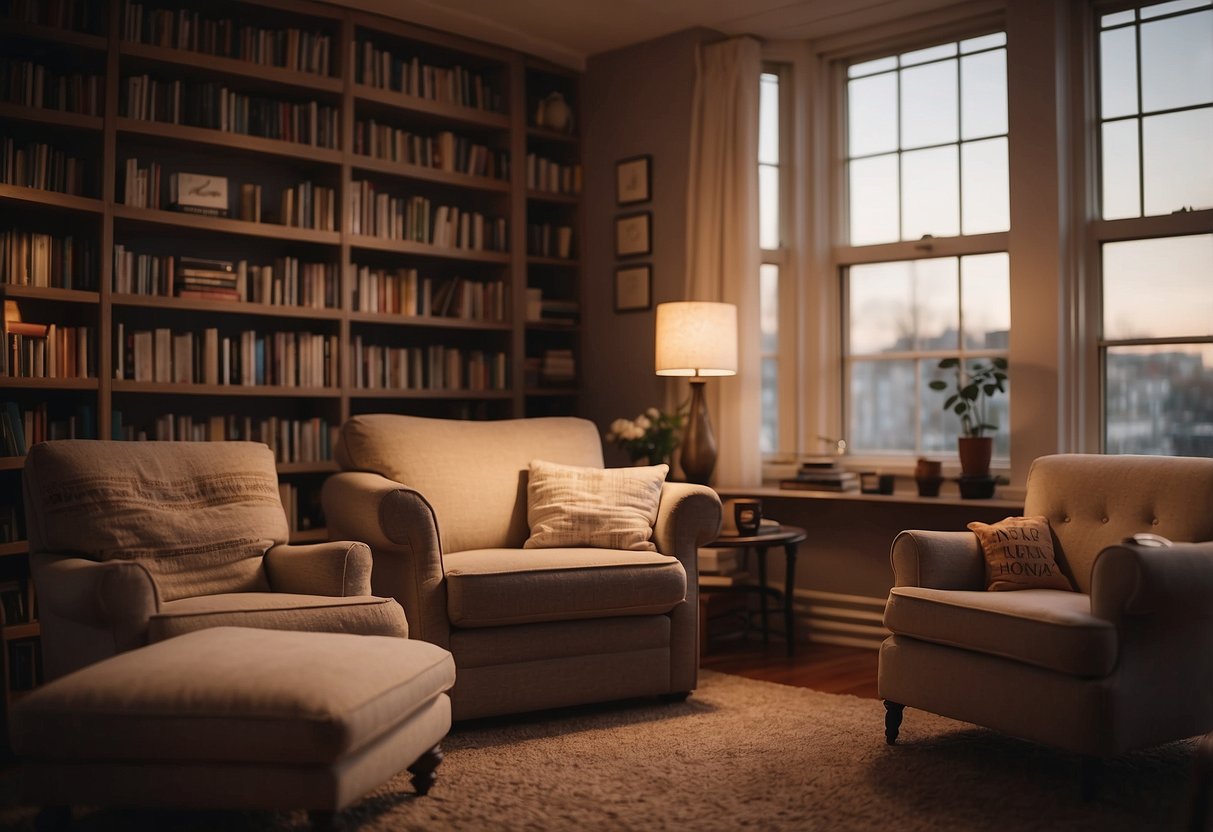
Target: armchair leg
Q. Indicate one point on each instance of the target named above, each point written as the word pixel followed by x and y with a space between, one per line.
pixel 673 698
pixel 1090 777
pixel 892 720
pixel 324 820
pixel 54 818
pixel 423 770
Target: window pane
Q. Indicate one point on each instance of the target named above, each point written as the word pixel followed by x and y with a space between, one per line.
pixel 1118 72
pixel 936 299
pixel 1159 401
pixel 984 190
pixel 985 296
pixel 930 195
pixel 1175 6
pixel 1116 18
pixel 1177 62
pixel 880 306
pixel 983 88
pixel 1121 170
pixel 873 197
pixel 1158 288
pixel 870 67
pixel 1178 170
pixel 928 105
pixel 768 440
pixel 983 42
pixel 768 308
pixel 939 427
pixel 768 206
pixel 872 115
pixel 768 119
pixel 883 404
pixel 929 54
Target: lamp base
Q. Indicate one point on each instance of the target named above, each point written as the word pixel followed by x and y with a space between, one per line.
pixel 698 442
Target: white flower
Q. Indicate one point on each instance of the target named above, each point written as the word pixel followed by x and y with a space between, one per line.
pixel 643 422
pixel 653 413
pixel 634 432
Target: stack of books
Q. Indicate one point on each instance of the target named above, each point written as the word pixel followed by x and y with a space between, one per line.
pixel 203 279
pixel 822 475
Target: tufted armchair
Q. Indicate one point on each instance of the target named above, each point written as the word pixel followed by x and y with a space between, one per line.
pixel 443 505
pixel 1125 662
pixel 136 542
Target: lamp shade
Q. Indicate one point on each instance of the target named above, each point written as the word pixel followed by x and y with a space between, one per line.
pixel 696 338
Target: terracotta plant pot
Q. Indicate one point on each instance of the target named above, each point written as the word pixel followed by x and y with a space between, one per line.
pixel 975 452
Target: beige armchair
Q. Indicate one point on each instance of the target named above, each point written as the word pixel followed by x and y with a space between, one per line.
pixel 136 542
pixel 443 505
pixel 1126 662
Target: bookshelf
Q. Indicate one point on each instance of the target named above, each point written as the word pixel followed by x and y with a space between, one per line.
pixel 412 301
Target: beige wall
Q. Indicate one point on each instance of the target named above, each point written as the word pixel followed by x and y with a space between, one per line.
pixel 636 100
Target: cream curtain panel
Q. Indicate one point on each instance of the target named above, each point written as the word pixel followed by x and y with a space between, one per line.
pixel 722 239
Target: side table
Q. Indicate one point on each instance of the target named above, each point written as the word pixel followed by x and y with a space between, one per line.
pixel 789 537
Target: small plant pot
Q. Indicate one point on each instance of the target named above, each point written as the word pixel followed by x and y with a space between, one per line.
pixel 928 486
pixel 975 453
pixel 977 488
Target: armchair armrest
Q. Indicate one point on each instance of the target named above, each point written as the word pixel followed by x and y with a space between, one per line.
pixel 100 608
pixel 1172 581
pixel 399 525
pixel 938 560
pixel 688 516
pixel 335 568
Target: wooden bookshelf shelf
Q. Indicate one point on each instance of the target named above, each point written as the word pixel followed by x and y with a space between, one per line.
pixel 12 463
pixel 26 629
pixel 552 392
pixel 553 197
pixel 49 383
pixel 544 326
pixel 169 388
pixel 51 199
pixel 435 110
pixel 544 134
pixel 12 290
pixel 17 547
pixel 228 307
pixel 429 321
pixel 426 250
pixel 55 118
pixel 226 225
pixel 401 170
pixel 253 145
pixel 474 395
pixel 534 260
pixel 54 34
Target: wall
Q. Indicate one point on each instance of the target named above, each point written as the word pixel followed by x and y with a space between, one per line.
pixel 636 100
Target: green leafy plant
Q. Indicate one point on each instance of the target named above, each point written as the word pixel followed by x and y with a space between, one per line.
pixel 973 391
pixel 653 435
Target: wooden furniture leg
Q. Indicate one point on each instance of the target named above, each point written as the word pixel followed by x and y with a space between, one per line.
pixel 892 721
pixel 423 770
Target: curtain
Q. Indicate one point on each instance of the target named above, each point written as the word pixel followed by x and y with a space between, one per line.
pixel 722 239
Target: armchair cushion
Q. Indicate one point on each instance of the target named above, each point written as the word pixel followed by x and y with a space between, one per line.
pixel 493 587
pixel 607 508
pixel 1019 554
pixel 202 569
pixel 1048 628
pixel 364 614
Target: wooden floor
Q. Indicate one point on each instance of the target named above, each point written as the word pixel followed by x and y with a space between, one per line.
pixel 824 667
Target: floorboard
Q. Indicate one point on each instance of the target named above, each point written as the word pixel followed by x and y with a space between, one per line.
pixel 825 667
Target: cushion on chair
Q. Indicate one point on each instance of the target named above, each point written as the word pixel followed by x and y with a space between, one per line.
pixel 492 587
pixel 1048 628
pixel 199 514
pixel 234 695
pixel 607 508
pixel 360 614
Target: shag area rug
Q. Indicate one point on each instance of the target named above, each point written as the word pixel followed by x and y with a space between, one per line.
pixel 739 754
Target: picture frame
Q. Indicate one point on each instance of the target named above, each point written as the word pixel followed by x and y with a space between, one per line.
pixel 634 288
pixel 634 234
pixel 634 180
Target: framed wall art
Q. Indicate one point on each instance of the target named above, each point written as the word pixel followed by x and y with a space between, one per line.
pixel 633 234
pixel 633 288
pixel 634 180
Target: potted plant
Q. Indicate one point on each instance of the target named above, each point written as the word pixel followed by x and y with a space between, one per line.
pixel 649 438
pixel 972 393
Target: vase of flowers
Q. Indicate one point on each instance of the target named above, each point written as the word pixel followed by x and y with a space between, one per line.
pixel 651 437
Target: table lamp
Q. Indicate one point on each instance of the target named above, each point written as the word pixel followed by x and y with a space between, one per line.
pixel 697 339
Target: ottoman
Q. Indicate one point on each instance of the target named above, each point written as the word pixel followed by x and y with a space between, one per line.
pixel 236 718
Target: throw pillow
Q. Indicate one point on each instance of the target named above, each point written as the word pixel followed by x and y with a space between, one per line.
pixel 1019 554
pixel 604 508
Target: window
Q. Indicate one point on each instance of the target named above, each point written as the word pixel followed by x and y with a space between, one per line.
pixel 773 252
pixel 924 266
pixel 1155 97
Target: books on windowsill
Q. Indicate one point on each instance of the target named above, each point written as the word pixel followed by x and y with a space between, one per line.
pixel 822 475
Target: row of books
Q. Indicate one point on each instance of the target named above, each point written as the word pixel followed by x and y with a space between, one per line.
pixel 48 351
pixel 821 475
pixel 552 176
pixel 548 240
pixel 435 367
pixel 34 85
pixel 224 37
pixel 17 601
pixel 77 15
pixel 551 310
pixel 302 507
pixel 22 428
pixel 24 664
pixel 443 150
pixel 291 440
pixel 277 359
pixel 43 166
pixel 141 185
pixel 376 67
pixel 212 105
pixel 378 214
pixel 12 523
pixel 308 205
pixel 403 291
pixel 29 258
pixel 285 282
pixel 554 368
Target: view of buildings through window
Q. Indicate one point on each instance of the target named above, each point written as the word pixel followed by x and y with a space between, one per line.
pixel 1156 130
pixel 772 254
pixel 926 153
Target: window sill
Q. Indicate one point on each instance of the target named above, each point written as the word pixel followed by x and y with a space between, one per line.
pixel 1001 500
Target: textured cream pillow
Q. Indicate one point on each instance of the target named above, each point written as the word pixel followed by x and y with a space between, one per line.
pixel 603 508
pixel 1019 554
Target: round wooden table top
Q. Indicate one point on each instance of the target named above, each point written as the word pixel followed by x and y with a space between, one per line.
pixel 781 535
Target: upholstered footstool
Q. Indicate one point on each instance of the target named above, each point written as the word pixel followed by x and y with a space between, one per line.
pixel 236 718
